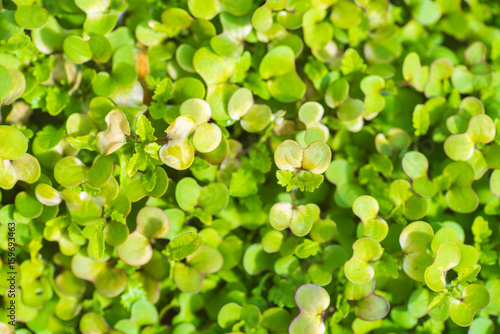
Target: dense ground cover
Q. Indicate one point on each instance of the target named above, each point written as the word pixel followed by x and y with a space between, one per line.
pixel 233 166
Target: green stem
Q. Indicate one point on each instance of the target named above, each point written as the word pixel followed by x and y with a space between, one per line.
pixel 294 199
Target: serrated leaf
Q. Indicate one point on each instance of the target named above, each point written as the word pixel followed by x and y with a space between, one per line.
pixel 183 246
pixel 260 157
pixel 153 150
pixel 56 100
pixel 481 230
pixel 87 142
pixel 163 91
pixel 50 136
pixel 286 179
pixel 149 179
pixel 137 162
pixel 440 301
pixel 309 181
pixel 243 183
pixel 145 130
pixel 468 275
pixel 352 62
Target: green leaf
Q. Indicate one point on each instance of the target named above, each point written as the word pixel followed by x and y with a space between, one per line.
pixel 183 246
pixel 98 245
pixel 245 181
pixel 286 179
pixel 149 179
pixel 468 275
pixel 309 181
pixel 260 157
pixel 163 91
pixel 440 301
pixel 50 136
pixel 481 230
pixel 421 120
pixel 307 249
pixel 145 130
pixel 352 62
pixel 57 100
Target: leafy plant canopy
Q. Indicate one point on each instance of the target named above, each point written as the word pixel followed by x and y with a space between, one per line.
pixel 243 166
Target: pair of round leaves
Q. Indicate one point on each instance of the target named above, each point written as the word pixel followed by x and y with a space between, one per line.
pixel 469 107
pixel 49 196
pixel 396 139
pixel 116 133
pixel 109 282
pixel 447 257
pixel 300 220
pixel 460 197
pixel 414 240
pixel 13 143
pixel 231 313
pixel 341 173
pixel 311 114
pixel 369 305
pixel 415 165
pixel 133 187
pixel 136 250
pixel 26 169
pixel 334 256
pixel 312 301
pixel 178 153
pixel 350 112
pixel 474 298
pixel 460 147
pixel 207 136
pixel 414 73
pixel 358 269
pixel 122 73
pixel 440 70
pixel 231 42
pixel 374 227
pixel 189 276
pixel 453 232
pixel 253 117
pixel 80 51
pixel 212 198
pixel 71 171
pixel 314 158
pixel 414 206
pixel 374 101
pixel 283 83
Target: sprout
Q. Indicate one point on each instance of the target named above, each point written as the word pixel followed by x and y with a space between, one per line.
pixel 300 219
pixel 366 208
pixel 115 135
pixel 415 165
pixel 315 158
pixel 369 305
pixel 414 240
pixel 474 298
pixel 358 269
pixel 447 257
pixel 312 300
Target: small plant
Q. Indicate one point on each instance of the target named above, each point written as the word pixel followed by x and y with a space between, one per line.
pixel 261 167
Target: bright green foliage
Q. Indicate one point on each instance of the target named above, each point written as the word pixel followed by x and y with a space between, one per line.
pixel 474 298
pixel 358 269
pixel 447 257
pixel 312 300
pixel 369 305
pixel 414 240
pixel 261 167
pixel 366 208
